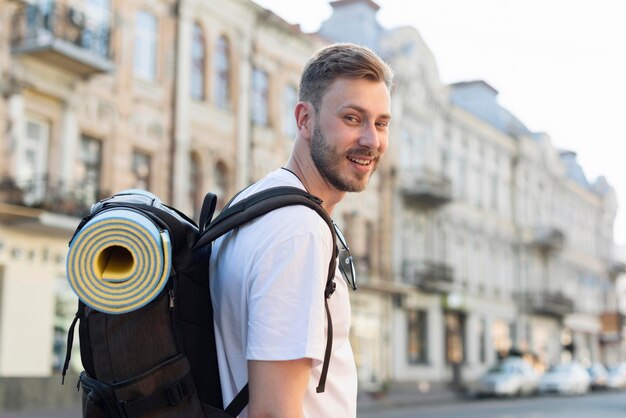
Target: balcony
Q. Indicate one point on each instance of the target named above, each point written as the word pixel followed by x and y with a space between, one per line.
pixel 62 36
pixel 428 276
pixel 548 238
pixel 45 195
pixel 616 269
pixel 547 302
pixel 426 187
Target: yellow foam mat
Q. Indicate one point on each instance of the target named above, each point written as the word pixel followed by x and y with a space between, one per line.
pixel 119 261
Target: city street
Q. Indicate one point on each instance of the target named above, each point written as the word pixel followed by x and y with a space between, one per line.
pixel 605 405
pixel 600 405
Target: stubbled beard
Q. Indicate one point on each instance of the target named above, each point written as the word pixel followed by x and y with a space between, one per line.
pixel 329 163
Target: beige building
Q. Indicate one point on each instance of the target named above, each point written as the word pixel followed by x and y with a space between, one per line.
pixel 87 93
pixel 178 97
pixel 238 68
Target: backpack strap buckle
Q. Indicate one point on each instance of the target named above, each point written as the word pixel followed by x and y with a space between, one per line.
pixel 176 393
pixel 169 396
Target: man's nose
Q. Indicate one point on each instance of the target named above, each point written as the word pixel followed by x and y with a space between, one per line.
pixel 370 136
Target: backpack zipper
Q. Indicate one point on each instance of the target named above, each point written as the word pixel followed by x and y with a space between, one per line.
pixel 172 297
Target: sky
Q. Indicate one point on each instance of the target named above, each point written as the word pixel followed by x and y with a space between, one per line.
pixel 558 65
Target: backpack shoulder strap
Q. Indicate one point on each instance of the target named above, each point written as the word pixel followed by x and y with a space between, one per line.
pixel 70 341
pixel 259 204
pixel 208 208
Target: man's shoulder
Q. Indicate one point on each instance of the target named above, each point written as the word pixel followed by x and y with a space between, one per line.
pixel 292 220
pixel 277 178
pixel 296 217
pixel 288 222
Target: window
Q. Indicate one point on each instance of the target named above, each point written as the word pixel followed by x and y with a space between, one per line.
pixel 462 179
pixel 260 97
pixel 64 308
pixel 482 341
pixel 445 162
pixel 96 33
pixel 195 185
pixel 500 334
pixel 141 170
pixel 366 261
pixel 32 165
pixel 222 73
pixel 221 184
pixel 290 100
pixel 479 188
pixel 455 338
pixel 494 192
pixel 416 344
pixel 89 169
pixel 197 63
pixel 407 150
pixel 145 61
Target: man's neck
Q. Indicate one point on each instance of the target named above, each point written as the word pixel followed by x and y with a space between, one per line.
pixel 314 182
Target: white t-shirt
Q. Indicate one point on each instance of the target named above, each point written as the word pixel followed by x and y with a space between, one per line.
pixel 267 289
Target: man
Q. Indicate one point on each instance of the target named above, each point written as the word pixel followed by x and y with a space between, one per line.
pixel 268 277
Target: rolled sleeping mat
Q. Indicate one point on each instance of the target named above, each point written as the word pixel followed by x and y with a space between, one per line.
pixel 119 261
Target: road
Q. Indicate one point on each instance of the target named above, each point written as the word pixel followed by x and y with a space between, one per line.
pixel 64 412
pixel 595 405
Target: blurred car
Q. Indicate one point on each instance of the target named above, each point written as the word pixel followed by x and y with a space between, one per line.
pixel 567 378
pixel 599 376
pixel 617 377
pixel 510 377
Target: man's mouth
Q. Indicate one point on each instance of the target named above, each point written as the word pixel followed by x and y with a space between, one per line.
pixel 360 161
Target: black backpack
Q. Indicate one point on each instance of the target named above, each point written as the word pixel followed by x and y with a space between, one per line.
pixel 160 360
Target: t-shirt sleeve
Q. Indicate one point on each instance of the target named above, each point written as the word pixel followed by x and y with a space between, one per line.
pixel 286 315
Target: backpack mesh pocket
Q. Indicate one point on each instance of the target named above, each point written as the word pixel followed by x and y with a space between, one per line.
pixel 164 391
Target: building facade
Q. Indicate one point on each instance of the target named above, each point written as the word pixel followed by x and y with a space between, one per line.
pixel 475 238
pixel 491 235
pixel 87 98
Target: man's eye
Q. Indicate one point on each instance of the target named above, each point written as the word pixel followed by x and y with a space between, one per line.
pixel 350 118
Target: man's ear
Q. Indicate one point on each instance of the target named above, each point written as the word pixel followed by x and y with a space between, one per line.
pixel 305 116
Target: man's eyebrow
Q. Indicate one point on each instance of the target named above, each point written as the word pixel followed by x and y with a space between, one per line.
pixel 363 110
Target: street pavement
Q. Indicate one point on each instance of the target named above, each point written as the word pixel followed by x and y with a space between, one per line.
pixel 593 405
pixel 410 395
pixel 64 412
pixel 399 396
pixel 443 404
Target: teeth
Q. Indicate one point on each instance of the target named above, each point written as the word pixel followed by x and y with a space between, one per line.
pixel 362 162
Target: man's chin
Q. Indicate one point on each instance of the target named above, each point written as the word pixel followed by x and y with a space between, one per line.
pixel 348 181
pixel 354 186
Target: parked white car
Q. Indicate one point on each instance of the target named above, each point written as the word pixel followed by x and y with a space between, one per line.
pixel 617 377
pixel 599 376
pixel 510 377
pixel 567 378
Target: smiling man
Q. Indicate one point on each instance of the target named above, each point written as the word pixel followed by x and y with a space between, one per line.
pixel 269 276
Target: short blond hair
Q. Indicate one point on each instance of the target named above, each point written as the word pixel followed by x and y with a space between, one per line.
pixel 345 60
